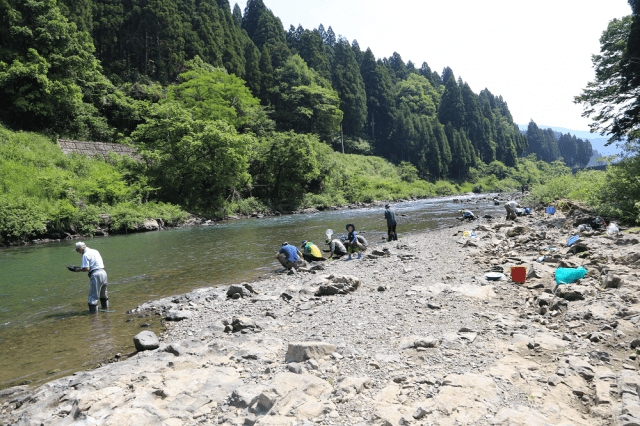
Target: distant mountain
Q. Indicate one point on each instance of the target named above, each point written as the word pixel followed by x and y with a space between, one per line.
pixel 597 142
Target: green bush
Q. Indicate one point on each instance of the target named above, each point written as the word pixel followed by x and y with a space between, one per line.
pixel 444 188
pixel 21 218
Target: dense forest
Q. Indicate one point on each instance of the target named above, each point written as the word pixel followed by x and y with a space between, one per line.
pixel 229 111
pixel 99 77
pixel 550 146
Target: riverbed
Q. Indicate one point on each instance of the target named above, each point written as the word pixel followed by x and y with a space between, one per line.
pixel 45 331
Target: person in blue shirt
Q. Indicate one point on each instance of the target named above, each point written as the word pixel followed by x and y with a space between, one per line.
pixel 352 241
pixel 289 256
pixel 93 264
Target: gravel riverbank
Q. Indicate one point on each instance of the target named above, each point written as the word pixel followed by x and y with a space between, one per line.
pixel 412 334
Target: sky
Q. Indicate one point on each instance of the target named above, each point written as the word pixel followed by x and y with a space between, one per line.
pixel 536 55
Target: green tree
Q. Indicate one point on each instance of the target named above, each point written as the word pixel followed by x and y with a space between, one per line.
pixel 287 165
pixel 48 74
pixel 215 95
pixel 380 100
pixel 347 81
pixel 304 101
pixel 612 99
pixel 193 162
pixel 451 106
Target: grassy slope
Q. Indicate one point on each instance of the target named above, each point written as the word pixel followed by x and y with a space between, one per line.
pixel 44 191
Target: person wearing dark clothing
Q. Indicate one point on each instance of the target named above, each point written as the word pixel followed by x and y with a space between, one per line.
pixel 467 215
pixel 289 256
pixel 352 241
pixel 311 252
pixel 390 215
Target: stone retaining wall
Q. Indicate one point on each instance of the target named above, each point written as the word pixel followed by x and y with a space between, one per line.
pixel 95 148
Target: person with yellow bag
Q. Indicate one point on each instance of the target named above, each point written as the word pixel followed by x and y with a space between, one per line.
pixel 311 252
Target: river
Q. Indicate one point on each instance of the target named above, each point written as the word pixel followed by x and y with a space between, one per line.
pixel 45 331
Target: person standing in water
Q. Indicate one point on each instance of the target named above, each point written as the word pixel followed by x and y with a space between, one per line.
pixel 390 215
pixel 93 264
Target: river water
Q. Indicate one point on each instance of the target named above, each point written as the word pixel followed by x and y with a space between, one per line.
pixel 45 331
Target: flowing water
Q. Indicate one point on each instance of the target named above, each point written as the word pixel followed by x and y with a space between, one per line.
pixel 45 331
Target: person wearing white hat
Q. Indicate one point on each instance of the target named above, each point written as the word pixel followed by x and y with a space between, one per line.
pixel 93 264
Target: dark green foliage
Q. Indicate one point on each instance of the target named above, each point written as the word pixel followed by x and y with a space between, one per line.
pixel 380 101
pixel 304 101
pixel 194 162
pixel 347 81
pixel 543 143
pixel 612 99
pixel 287 165
pixel 452 106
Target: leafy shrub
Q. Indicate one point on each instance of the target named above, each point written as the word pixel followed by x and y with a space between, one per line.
pixel 20 218
pixel 444 188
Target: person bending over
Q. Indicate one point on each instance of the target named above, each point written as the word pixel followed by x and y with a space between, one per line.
pixel 289 256
pixel 311 252
pixel 93 264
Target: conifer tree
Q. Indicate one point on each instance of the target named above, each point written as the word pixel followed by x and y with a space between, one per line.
pixel 380 100
pixel 347 81
pixel 253 77
pixel 266 75
pixel 451 105
pixel 237 15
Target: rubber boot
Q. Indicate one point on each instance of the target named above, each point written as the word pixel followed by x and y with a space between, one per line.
pixel 359 255
pixel 93 309
pixel 104 303
pixel 349 258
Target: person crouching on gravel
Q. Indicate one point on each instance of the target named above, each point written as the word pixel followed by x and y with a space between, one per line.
pixel 511 207
pixel 467 215
pixel 289 256
pixel 336 247
pixel 353 246
pixel 311 252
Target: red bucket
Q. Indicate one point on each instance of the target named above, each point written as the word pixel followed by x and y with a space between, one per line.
pixel 519 274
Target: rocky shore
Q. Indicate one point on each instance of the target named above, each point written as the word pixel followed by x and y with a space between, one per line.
pixel 412 334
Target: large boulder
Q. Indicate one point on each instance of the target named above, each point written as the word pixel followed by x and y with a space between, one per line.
pixel 146 341
pixel 302 351
pixel 149 225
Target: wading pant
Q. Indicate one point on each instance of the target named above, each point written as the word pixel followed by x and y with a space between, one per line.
pixel 392 234
pixel 97 286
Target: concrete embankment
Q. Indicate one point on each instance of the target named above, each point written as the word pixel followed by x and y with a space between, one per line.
pixel 412 334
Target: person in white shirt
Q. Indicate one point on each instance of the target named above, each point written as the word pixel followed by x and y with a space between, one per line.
pixel 93 264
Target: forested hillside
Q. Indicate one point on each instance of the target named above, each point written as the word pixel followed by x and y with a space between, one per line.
pixel 549 145
pixel 99 76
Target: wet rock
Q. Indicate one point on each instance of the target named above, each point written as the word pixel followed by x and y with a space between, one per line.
pixel 146 340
